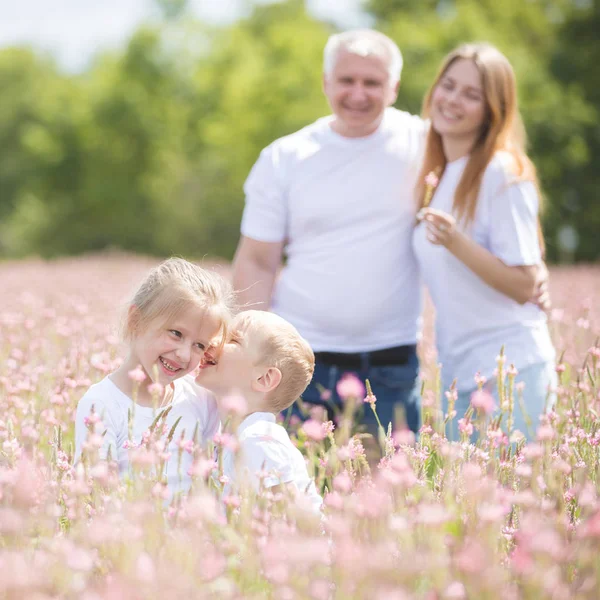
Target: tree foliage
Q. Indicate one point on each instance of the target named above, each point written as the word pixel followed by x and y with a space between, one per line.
pixel 149 148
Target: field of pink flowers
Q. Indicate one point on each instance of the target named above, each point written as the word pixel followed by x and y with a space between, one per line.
pixel 432 520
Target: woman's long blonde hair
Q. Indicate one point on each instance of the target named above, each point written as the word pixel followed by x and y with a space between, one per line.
pixel 502 130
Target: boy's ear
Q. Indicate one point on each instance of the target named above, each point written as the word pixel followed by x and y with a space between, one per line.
pixel 268 380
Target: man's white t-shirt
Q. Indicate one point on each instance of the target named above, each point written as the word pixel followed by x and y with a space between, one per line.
pixel 195 405
pixel 473 320
pixel 265 446
pixel 345 209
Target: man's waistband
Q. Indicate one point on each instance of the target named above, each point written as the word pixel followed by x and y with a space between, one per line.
pixel 387 357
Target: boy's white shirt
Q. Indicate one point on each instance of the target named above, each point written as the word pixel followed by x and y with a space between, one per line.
pixel 194 404
pixel 266 446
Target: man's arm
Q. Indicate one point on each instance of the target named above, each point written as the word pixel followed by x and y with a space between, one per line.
pixel 255 266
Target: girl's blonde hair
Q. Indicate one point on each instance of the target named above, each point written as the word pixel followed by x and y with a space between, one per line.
pixel 174 286
pixel 502 130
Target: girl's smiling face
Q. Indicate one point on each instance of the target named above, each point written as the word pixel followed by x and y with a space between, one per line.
pixel 176 347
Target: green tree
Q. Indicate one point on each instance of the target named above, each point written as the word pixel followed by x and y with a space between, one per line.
pixel 557 116
pixel 575 66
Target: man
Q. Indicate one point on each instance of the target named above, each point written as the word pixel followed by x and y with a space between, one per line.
pixel 337 198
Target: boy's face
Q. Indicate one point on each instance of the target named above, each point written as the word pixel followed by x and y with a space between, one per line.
pixel 233 369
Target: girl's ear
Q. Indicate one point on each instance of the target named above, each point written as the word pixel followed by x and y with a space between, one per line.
pixel 268 381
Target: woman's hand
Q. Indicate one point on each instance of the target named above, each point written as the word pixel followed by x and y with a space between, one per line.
pixel 441 226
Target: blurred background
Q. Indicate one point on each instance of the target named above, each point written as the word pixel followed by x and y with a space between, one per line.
pixel 132 124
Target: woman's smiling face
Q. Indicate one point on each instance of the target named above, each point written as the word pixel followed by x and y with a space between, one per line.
pixel 458 105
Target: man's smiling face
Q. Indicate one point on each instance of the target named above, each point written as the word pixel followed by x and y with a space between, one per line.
pixel 358 91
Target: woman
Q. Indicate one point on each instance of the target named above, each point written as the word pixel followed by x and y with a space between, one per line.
pixel 479 243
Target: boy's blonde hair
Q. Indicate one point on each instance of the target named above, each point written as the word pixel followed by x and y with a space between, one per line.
pixel 174 286
pixel 279 345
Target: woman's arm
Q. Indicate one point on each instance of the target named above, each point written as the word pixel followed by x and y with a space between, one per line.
pixel 516 282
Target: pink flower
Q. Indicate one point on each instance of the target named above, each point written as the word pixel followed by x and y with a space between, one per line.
pixel 334 500
pixel 212 564
pixel 137 374
pixel 342 482
pixel 328 427
pixel 234 405
pixel 314 430
pixel 591 527
pixel 154 389
pixel 232 501
pixel 545 433
pixel 431 179
pixel 186 445
pixel 455 591
pixel 326 395
pixel 350 386
pixel 480 379
pixel 403 437
pixel 370 399
pixel 202 467
pixel 451 395
pixel 482 401
pixel 465 426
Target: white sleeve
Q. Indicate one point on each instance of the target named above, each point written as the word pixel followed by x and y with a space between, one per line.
pixel 261 453
pixel 213 422
pixel 514 224
pixel 265 212
pixel 197 411
pixel 179 463
pixel 108 425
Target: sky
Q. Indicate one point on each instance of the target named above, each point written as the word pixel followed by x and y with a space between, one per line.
pixel 74 30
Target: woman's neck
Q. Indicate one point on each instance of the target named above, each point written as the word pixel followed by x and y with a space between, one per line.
pixel 457 147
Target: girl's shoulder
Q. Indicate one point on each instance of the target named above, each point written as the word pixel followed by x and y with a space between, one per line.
pixel 199 399
pixel 187 388
pixel 104 392
pixel 106 400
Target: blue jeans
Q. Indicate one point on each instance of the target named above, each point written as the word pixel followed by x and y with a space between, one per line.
pixel 538 380
pixel 396 387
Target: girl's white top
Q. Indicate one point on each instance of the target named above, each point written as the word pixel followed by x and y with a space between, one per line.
pixel 192 403
pixel 266 451
pixel 473 320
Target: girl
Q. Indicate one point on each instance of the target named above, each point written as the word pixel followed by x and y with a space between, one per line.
pixel 479 243
pixel 174 315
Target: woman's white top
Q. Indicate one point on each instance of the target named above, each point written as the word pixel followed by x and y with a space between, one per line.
pixel 473 320
pixel 266 452
pixel 192 403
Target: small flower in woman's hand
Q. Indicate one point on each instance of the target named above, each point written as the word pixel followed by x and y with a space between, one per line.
pixel 431 182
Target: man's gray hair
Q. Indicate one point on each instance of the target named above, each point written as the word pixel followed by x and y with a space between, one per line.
pixel 364 42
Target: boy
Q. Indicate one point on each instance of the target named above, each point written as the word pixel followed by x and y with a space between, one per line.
pixel 268 363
